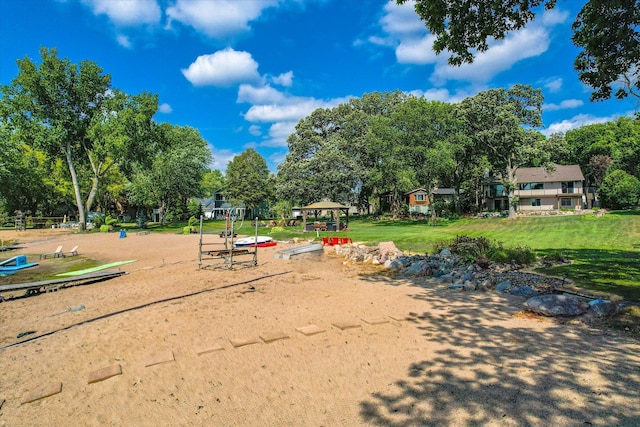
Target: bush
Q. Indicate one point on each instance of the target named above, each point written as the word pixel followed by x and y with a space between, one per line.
pixel 187 229
pixel 481 248
pixel 620 190
pixel 104 228
pixel 193 221
pixel 98 222
pixel 109 220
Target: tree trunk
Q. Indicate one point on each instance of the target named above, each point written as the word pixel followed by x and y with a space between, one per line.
pixel 82 222
pixel 511 177
pixel 92 194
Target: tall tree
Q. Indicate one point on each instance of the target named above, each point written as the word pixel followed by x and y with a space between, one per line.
pixel 181 157
pixel 248 180
pixel 212 181
pixel 606 30
pixel 57 99
pixel 118 137
pixel 500 123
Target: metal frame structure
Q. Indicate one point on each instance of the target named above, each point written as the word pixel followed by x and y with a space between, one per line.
pixel 226 256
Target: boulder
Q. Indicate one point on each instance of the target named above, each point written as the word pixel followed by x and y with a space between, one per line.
pixel 556 305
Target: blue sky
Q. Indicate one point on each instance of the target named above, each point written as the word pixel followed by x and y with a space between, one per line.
pixel 244 72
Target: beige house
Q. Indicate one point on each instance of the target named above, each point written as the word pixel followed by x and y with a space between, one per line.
pixel 541 190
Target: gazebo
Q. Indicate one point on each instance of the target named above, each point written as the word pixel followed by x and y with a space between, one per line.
pixel 334 207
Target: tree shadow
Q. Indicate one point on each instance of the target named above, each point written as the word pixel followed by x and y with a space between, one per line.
pixel 609 271
pixel 488 370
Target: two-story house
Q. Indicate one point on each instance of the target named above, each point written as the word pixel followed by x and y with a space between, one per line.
pixel 540 190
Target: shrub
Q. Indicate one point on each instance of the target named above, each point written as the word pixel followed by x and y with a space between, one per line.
pixel 481 248
pixel 104 228
pixel 193 221
pixel 186 229
pixel 620 190
pixel 98 221
pixel 109 220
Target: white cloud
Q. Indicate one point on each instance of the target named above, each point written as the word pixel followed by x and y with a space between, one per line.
pixel 165 108
pixel 401 19
pixel 442 95
pixel 402 29
pixel 278 134
pixel 284 79
pixel 222 68
pixel 260 95
pixel 123 41
pixel 127 12
pixel 217 18
pixel 221 158
pixel 554 85
pixel 566 104
pixel 416 51
pixel 576 122
pixel 255 130
pixel 500 56
pixel 554 17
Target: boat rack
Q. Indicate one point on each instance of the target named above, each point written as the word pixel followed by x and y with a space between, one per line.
pixel 226 255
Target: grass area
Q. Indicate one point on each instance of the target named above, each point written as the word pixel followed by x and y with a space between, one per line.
pixel 604 250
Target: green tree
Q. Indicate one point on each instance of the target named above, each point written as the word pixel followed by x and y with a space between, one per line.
pixel 55 102
pixel 620 190
pixel 175 172
pixel 606 30
pixel 249 181
pixel 26 174
pixel 500 123
pixel 212 181
pixel 118 137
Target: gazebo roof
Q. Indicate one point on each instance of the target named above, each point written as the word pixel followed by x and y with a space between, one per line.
pixel 324 205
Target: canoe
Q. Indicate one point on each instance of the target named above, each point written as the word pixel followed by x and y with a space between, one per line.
pixel 248 241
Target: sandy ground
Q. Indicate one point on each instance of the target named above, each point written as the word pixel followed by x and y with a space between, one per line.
pixel 413 354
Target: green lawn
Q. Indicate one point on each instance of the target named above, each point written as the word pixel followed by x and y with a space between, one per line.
pixel 604 250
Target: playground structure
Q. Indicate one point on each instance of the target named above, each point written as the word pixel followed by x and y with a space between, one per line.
pixel 228 255
pixel 15 263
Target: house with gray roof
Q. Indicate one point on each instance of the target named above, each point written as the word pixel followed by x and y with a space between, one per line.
pixel 540 190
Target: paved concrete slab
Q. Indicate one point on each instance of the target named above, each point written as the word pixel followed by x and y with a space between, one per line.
pixel 42 392
pixel 347 324
pixel 273 336
pixel 310 330
pixel 105 373
pixel 211 349
pixel 241 342
pixel 165 356
pixel 375 320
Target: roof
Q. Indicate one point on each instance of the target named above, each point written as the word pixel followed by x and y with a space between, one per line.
pixel 562 173
pixel 438 191
pixel 324 205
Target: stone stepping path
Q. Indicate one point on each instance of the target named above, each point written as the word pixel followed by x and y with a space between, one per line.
pixel 167 356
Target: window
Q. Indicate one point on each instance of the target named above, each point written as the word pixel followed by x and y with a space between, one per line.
pixel 565 202
pixel 531 186
pixel 535 202
pixel 567 187
pixel 421 197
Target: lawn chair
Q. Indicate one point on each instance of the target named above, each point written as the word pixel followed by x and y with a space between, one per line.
pixel 57 254
pixel 72 252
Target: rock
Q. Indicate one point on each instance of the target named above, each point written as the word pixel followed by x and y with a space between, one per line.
pixel 445 252
pixel 555 305
pixel 523 291
pixel 419 268
pixel 503 286
pixel 602 308
pixel 388 251
pixel 466 277
pixel 395 264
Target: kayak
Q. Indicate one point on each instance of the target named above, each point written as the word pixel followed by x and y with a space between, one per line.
pixel 249 241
